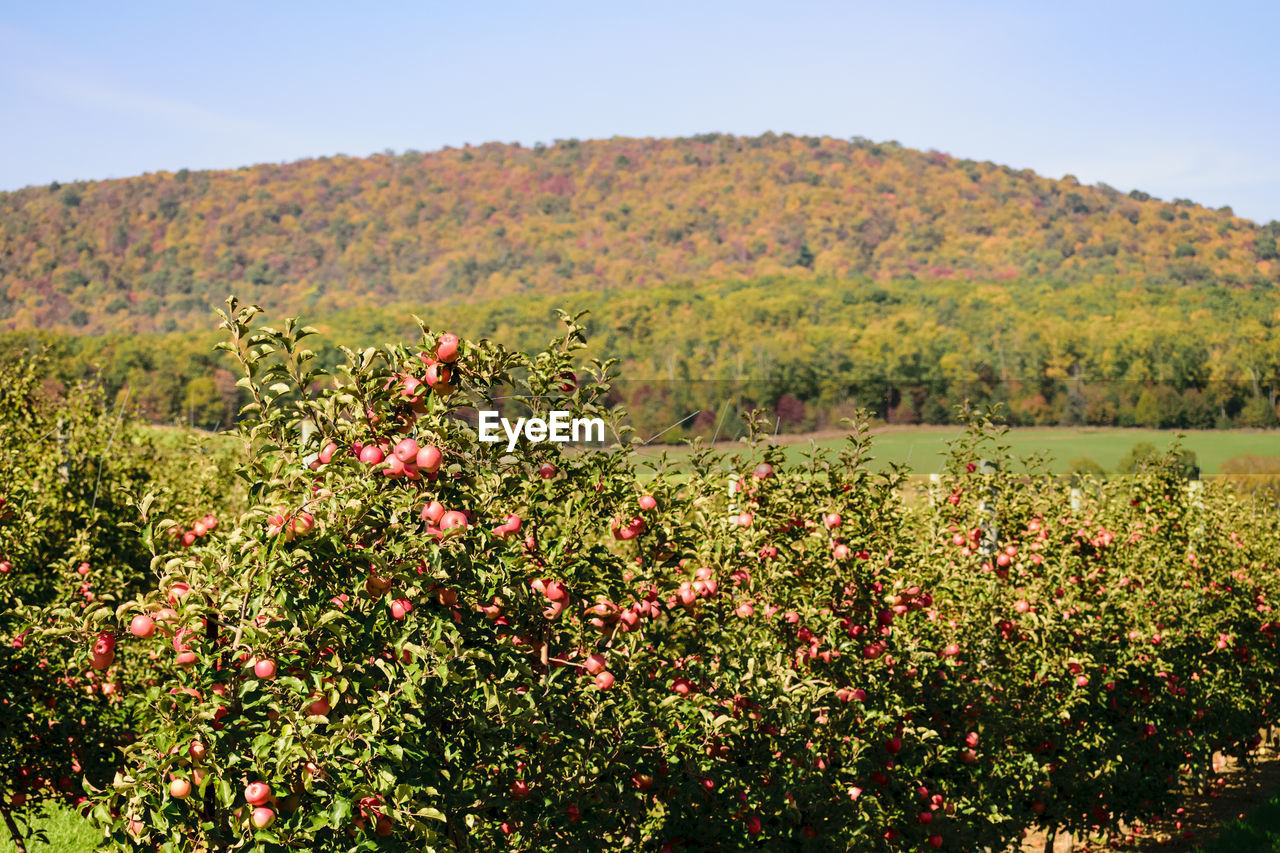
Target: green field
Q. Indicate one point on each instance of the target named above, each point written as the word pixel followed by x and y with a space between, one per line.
pixel 66 831
pixel 920 448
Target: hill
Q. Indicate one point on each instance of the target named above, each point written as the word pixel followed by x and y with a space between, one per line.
pixel 153 253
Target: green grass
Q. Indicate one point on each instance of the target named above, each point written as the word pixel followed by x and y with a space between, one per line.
pixel 1258 832
pixel 919 447
pixel 67 832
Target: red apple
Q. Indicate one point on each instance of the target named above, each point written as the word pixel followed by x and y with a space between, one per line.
pixel 429 458
pixel 438 376
pixel 257 793
pixel 447 347
pixel 406 450
pixel 451 520
pixel 433 512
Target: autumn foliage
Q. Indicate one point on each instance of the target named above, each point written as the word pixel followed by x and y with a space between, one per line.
pixel 156 252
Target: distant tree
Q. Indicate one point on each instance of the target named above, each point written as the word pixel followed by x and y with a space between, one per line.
pixel 1158 406
pixel 1144 453
pixel 804 256
pixel 1197 411
pixel 1099 406
pixel 1187 464
pixel 790 410
pixel 1138 455
pixel 1254 475
pixel 904 412
pixel 229 393
pixel 204 403
pixel 1080 469
pixel 935 411
pixel 1258 414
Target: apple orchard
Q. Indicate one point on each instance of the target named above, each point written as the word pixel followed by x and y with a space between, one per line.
pixel 372 630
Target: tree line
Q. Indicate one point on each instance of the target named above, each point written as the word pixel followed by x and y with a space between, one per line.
pixel 811 351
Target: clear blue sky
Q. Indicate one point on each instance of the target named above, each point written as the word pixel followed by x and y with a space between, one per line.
pixel 1178 99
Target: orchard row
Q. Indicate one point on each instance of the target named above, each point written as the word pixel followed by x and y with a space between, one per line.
pixel 403 637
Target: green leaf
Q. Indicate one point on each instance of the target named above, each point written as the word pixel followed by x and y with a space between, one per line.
pixel 339 812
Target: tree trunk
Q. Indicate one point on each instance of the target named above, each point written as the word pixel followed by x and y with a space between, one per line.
pixel 18 843
pixel 1049 839
pixel 217 839
pixel 458 833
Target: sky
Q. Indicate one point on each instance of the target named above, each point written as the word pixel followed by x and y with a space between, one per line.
pixel 1181 100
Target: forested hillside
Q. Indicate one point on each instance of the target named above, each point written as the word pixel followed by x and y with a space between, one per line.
pixel 155 253
pixel 1159 355
pixel 809 276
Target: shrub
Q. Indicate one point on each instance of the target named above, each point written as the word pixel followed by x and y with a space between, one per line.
pixel 1253 475
pixel 71 471
pixel 472 649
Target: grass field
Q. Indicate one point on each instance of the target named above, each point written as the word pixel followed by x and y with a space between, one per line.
pixel 920 448
pixel 67 832
pixel 1257 832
